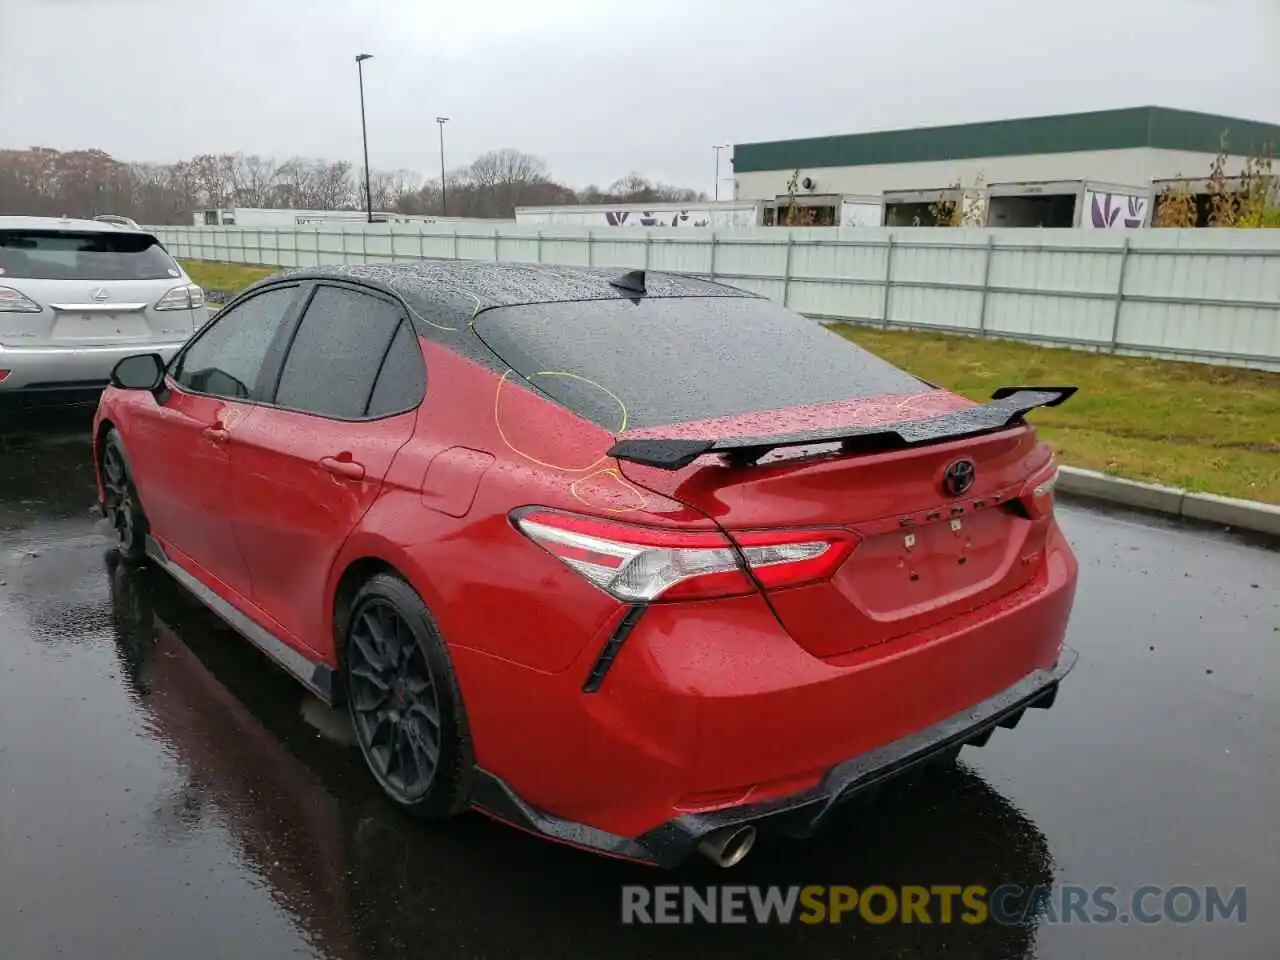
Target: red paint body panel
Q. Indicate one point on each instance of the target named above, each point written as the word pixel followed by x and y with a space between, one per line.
pixel 452 479
pixel 292 514
pixel 709 702
pixel 716 698
pixel 181 457
pixel 962 552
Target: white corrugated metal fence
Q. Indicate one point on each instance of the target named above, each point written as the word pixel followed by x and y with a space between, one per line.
pixel 1211 296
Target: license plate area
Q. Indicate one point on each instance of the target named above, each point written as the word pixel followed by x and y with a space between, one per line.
pixel 935 564
pixel 99 326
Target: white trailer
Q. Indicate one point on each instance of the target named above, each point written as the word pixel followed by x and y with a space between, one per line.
pixel 267 217
pixel 264 217
pixel 1087 204
pixel 724 214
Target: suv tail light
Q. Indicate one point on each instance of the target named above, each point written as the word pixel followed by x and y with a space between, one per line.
pixel 15 301
pixel 635 563
pixel 189 296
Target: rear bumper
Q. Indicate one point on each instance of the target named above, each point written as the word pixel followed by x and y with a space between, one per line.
pixel 802 813
pixel 58 370
pixel 711 711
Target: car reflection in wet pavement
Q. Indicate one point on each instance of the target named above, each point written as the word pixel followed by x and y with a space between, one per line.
pixel 165 792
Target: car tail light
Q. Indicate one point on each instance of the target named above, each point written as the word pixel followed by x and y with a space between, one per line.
pixel 635 563
pixel 4 375
pixel 1036 499
pixel 189 296
pixel 15 301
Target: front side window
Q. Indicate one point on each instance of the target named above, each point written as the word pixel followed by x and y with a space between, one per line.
pixel 337 354
pixel 227 358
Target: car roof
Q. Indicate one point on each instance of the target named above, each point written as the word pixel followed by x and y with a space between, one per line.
pixel 444 296
pixel 62 223
pixel 459 289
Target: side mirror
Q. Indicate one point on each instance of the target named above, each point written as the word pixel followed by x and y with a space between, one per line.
pixel 144 371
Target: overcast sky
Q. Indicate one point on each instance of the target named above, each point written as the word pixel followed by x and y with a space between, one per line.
pixel 598 88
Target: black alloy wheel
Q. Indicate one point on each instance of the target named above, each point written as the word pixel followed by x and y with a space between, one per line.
pixel 404 701
pixel 124 511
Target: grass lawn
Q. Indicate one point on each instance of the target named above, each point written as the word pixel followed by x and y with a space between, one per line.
pixel 229 277
pixel 1206 428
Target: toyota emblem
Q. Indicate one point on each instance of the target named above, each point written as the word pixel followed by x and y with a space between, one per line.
pixel 100 294
pixel 958 478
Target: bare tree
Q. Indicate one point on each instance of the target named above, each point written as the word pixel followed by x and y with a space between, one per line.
pixel 303 184
pixel 401 184
pixel 424 201
pixel 333 188
pixel 497 182
pixel 47 182
pixel 294 184
pixel 214 175
pixel 388 189
pixel 154 199
pixel 634 188
pixel 506 167
pixel 255 179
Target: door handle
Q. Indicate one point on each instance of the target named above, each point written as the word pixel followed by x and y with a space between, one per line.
pixel 217 433
pixel 343 468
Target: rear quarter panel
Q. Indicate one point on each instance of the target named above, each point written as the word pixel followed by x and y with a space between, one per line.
pixel 488 587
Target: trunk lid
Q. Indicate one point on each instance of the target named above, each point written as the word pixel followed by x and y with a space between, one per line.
pixel 926 554
pixel 675 369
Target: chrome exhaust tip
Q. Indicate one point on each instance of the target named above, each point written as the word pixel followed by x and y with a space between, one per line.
pixel 729 846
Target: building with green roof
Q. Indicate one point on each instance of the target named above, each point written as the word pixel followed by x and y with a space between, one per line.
pixel 1140 147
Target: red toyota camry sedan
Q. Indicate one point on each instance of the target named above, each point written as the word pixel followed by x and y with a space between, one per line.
pixel 639 562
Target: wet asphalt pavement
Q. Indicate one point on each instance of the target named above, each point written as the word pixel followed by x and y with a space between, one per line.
pixel 165 793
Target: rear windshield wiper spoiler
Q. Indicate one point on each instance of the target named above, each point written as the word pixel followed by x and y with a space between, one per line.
pixel 1008 405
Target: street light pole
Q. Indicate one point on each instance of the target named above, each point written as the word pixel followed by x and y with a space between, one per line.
pixel 444 208
pixel 364 132
pixel 717 148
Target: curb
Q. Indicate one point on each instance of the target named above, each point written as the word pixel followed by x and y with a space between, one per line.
pixel 1171 501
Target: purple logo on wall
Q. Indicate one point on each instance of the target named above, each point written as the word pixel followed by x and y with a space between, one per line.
pixel 1109 210
pixel 617 218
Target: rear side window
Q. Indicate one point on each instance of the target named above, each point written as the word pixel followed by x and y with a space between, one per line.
pixel 337 353
pixel 402 381
pixel 227 357
pixel 671 360
pixel 90 255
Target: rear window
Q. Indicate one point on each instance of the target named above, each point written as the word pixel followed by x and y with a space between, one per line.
pixel 670 360
pixel 90 255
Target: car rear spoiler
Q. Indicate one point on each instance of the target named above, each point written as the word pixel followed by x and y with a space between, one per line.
pixel 1008 406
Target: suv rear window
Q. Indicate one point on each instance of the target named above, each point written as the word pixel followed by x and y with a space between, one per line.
pixel 670 360
pixel 88 255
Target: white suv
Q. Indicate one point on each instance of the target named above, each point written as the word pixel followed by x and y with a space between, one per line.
pixel 78 295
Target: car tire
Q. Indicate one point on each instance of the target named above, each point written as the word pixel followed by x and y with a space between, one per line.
pixel 123 507
pixel 404 701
